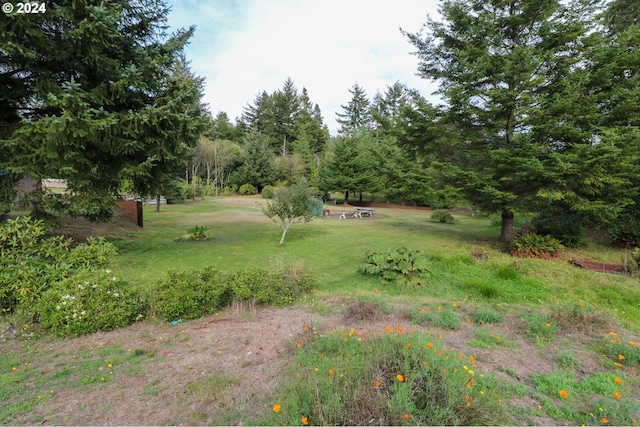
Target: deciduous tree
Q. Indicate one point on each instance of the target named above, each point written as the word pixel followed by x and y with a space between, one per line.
pixel 289 205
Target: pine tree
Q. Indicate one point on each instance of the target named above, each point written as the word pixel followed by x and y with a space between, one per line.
pixel 496 60
pixel 88 96
pixel 357 116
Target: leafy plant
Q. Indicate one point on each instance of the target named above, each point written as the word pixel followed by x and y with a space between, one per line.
pixel 621 352
pixel 533 245
pixel 443 216
pixel 30 263
pixel 566 227
pixel 394 265
pixel 267 191
pixel 196 233
pixel 278 284
pixel 247 189
pixel 189 294
pixel 539 328
pixel 89 301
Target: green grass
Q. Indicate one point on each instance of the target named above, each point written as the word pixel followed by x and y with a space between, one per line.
pixel 332 379
pixel 242 235
pixel 393 379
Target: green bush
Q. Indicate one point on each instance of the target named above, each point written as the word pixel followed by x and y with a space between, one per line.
pixel 532 245
pixel 567 228
pixel 625 232
pixel 395 265
pixel 91 300
pixel 247 189
pixel 189 294
pixel 443 216
pixel 267 191
pixel 276 285
pixel 30 263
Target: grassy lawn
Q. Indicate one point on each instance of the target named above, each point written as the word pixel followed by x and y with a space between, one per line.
pixel 335 250
pixel 483 338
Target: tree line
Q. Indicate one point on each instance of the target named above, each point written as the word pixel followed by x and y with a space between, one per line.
pixel 540 112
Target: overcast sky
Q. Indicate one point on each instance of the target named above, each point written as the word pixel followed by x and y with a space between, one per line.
pixel 243 47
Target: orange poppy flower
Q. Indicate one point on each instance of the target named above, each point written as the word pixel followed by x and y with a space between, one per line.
pixel 276 407
pixel 617 395
pixel 305 421
pixel 564 394
pixel 400 378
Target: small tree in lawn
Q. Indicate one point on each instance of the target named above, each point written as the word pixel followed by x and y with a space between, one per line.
pixel 289 204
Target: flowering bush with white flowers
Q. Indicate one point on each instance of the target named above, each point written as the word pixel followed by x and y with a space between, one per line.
pixel 89 301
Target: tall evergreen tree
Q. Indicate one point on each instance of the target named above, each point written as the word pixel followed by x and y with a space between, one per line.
pixel 496 60
pixel 357 115
pixel 257 166
pixel 88 92
pixel 351 167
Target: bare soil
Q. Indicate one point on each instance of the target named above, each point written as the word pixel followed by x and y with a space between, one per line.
pixel 600 267
pixel 225 369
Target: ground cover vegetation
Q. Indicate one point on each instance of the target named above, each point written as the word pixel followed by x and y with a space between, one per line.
pixel 467 306
pixel 415 317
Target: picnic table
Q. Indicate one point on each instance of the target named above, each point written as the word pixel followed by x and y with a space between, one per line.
pixel 357 213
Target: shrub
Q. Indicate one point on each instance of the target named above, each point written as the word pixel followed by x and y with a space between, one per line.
pixel 89 301
pixel 267 191
pixel 625 232
pixel 443 216
pixel 395 265
pixel 567 228
pixel 196 233
pixel 532 245
pixel 247 189
pixel 30 264
pixel 189 294
pixel 276 285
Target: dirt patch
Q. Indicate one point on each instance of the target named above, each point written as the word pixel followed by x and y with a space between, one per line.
pixel 225 369
pixel 599 267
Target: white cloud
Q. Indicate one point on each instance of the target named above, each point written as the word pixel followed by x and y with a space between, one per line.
pixel 243 48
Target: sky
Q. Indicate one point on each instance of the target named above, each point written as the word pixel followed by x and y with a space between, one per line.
pixel 245 47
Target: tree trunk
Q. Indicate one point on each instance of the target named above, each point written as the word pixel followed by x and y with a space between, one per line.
pixel 506 234
pixel 361 197
pixel 157 203
pixel 284 232
pixel 346 197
